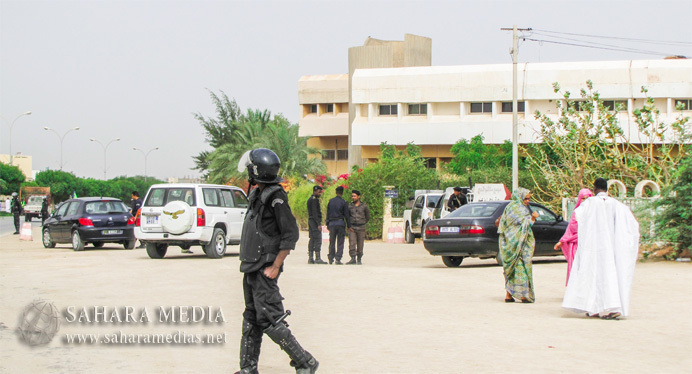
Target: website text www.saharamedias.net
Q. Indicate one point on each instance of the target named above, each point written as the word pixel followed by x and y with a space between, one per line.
pixel 122 338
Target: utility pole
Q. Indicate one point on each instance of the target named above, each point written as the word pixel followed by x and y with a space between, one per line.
pixel 515 113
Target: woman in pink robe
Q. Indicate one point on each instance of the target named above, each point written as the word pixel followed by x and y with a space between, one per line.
pixel 568 242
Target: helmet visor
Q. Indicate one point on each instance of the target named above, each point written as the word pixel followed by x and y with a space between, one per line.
pixel 244 162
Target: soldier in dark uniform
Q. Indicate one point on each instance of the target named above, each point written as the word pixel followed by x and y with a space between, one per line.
pixel 270 232
pixel 16 210
pixel 457 199
pixel 44 210
pixel 314 223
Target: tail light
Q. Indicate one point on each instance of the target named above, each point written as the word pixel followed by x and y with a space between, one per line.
pixel 201 220
pixel 85 222
pixel 432 230
pixel 475 229
pixel 132 221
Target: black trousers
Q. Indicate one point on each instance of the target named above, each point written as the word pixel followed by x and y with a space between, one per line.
pixel 315 243
pixel 336 242
pixel 16 222
pixel 263 301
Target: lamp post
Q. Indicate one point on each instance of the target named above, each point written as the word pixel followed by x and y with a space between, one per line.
pixel 61 139
pixel 105 149
pixel 145 159
pixel 28 113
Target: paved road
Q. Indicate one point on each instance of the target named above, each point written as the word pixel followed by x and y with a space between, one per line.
pixel 7 224
pixel 400 312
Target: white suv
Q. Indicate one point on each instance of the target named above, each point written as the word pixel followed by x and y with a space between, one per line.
pixel 188 214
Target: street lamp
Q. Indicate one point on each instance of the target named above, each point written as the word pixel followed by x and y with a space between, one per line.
pixel 61 139
pixel 28 113
pixel 105 149
pixel 145 159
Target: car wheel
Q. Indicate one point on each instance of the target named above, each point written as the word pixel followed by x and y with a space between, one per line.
pixel 217 246
pixel 97 244
pixel 156 251
pixel 77 243
pixel 410 238
pixel 47 240
pixel 130 244
pixel 452 261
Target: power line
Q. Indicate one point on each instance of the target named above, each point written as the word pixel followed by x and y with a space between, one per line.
pixel 606 48
pixel 587 42
pixel 617 38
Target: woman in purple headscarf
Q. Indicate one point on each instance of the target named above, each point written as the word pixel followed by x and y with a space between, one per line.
pixel 568 242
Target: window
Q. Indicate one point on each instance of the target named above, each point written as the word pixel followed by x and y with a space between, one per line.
pixel 103 207
pixel 226 198
pixel 329 108
pixel 431 163
pixel 240 199
pixel 481 107
pixel 211 198
pixel 342 154
pixel 163 196
pixel 543 215
pixel 328 154
pixel 616 105
pixel 388 109
pixel 580 105
pixel 418 109
pixel 73 209
pixel 419 202
pixel 312 108
pixel 62 209
pixel 507 107
pixel 478 210
pixel 683 104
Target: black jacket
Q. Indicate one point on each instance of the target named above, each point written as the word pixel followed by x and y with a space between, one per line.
pixel 314 213
pixel 337 212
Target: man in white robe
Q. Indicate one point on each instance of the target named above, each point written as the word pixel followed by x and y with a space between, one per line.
pixel 600 282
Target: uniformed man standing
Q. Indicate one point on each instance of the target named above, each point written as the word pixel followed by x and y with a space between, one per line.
pixel 337 222
pixel 314 224
pixel 16 211
pixel 270 232
pixel 359 213
pixel 44 210
pixel 456 200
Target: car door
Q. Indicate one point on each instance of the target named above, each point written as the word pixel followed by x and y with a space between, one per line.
pixel 53 223
pixel 416 213
pixel 234 214
pixel 546 230
pixel 71 218
pixel 241 205
pixel 212 206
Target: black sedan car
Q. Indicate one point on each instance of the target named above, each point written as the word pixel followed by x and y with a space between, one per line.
pixel 95 220
pixel 470 232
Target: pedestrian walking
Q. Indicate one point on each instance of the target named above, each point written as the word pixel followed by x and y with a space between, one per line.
pixel 516 246
pixel 337 222
pixel 314 226
pixel 44 210
pixel 16 211
pixel 600 282
pixel 359 215
pixel 269 234
pixel 568 242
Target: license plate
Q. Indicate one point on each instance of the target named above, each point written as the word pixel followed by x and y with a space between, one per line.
pixel 112 232
pixel 152 220
pixel 453 229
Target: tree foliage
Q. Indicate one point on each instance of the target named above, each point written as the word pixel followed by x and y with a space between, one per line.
pixel 587 142
pixel 233 132
pixel 11 178
pixel 674 219
pixel 475 155
pixel 405 170
pixel 63 184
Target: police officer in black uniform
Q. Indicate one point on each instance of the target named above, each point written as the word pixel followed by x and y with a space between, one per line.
pixel 16 210
pixel 457 199
pixel 314 224
pixel 44 210
pixel 270 232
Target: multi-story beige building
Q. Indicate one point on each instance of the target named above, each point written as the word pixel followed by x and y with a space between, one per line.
pixel 436 106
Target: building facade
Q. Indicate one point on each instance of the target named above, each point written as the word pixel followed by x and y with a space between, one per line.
pixel 349 116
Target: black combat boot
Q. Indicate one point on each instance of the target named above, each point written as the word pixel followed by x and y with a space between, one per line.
pixel 250 344
pixel 352 262
pixel 318 259
pixel 301 359
pixel 359 260
pixel 310 260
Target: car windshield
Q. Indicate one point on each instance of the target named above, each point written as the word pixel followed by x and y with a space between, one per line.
pixel 105 207
pixel 475 210
pixel 35 200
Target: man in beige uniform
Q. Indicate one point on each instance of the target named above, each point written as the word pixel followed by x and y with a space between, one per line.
pixel 359 213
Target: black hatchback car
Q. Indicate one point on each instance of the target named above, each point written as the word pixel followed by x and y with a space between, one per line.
pixel 95 220
pixel 470 232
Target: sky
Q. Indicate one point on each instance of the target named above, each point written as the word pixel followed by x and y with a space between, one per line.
pixel 139 70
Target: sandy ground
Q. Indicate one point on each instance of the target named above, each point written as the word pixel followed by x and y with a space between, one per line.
pixel 401 312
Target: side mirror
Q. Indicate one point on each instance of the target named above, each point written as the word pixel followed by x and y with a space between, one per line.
pixel 559 219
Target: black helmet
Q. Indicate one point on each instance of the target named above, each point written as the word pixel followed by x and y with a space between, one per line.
pixel 262 165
